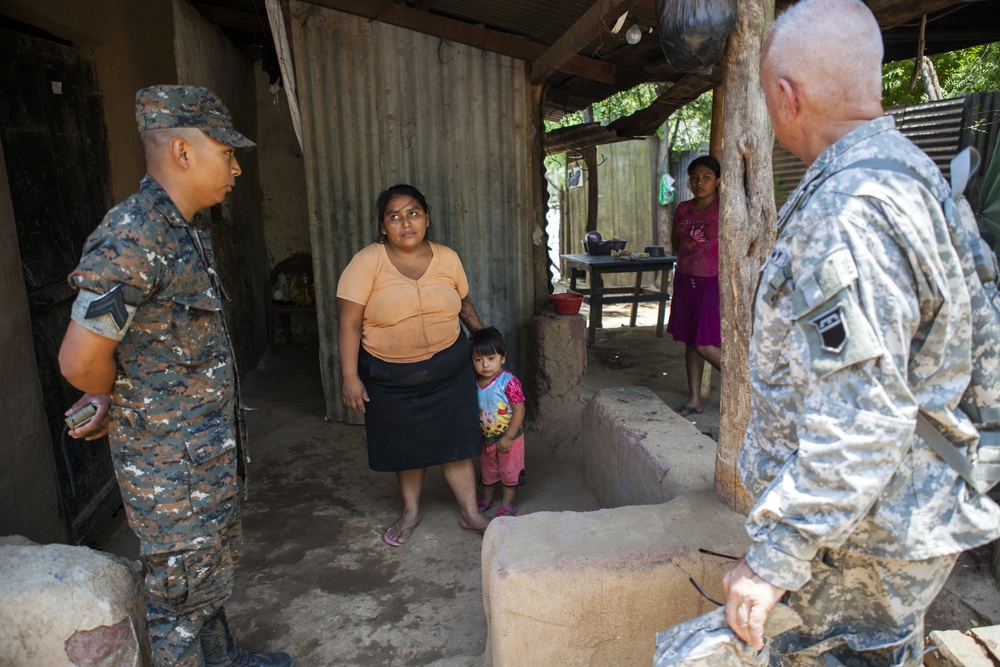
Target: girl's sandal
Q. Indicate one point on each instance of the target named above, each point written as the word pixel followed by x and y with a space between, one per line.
pixel 483 505
pixel 686 410
pixel 505 510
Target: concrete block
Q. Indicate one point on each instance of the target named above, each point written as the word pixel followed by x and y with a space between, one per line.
pixel 989 637
pixel 66 605
pixel 594 588
pixel 560 361
pixel 637 451
pixel 955 650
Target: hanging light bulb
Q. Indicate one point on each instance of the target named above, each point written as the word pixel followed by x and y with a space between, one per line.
pixel 633 35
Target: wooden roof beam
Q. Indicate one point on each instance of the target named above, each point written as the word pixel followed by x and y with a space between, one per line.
pixel 890 13
pixel 583 32
pixel 232 18
pixel 466 33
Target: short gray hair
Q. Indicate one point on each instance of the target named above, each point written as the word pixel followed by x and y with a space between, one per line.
pixel 831 49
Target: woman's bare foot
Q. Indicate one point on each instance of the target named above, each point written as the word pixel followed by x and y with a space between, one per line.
pixel 476 523
pixel 399 532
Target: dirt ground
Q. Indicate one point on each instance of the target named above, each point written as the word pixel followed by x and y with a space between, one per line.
pixel 315 578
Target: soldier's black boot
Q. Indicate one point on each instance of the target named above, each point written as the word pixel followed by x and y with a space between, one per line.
pixel 213 642
pixel 221 650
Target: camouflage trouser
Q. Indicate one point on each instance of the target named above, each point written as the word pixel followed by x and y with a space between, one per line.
pixel 856 611
pixel 184 589
pixel 859 610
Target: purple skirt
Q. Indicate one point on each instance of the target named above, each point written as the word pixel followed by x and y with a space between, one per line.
pixel 694 310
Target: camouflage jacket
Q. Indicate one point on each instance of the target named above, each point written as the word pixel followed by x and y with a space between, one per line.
pixel 861 315
pixel 175 398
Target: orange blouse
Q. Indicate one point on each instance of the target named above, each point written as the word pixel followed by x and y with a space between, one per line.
pixel 405 320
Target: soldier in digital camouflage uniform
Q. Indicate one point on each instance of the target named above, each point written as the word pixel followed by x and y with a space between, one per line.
pixel 861 317
pixel 147 329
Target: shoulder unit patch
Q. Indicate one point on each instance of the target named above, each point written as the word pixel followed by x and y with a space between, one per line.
pixel 832 330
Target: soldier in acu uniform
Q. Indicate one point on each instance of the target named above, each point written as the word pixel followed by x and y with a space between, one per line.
pixel 148 339
pixel 861 318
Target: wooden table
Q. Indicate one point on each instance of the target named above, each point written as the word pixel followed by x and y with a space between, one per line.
pixel 596 266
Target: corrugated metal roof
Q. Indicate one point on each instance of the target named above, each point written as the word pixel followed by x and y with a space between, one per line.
pixel 980 129
pixel 950 26
pixel 383 105
pixel 541 21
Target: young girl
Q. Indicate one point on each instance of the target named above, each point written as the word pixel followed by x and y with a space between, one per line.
pixel 501 413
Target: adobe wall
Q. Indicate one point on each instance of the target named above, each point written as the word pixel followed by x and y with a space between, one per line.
pixel 29 498
pixel 132 45
pixel 206 57
pixel 124 60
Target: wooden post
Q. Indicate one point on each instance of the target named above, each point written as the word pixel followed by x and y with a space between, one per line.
pixel 540 196
pixel 718 122
pixel 590 160
pixel 747 219
pixel 663 220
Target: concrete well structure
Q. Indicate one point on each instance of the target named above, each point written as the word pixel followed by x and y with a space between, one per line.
pixel 637 451
pixel 594 588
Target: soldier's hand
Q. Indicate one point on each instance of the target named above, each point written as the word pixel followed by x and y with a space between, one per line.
pixel 97 426
pixel 749 599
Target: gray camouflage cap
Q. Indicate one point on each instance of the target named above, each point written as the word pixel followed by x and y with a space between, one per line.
pixel 159 107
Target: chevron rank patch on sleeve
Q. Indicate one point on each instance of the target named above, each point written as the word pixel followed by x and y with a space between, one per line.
pixel 104 314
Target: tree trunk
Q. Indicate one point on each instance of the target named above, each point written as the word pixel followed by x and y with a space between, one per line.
pixel 747 219
pixel 930 78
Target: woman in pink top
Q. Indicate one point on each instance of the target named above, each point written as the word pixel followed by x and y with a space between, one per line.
pixel 694 307
pixel 405 361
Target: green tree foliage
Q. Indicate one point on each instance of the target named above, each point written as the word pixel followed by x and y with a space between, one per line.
pixel 688 127
pixel 975 69
pixel 691 125
pixel 611 109
pixel 606 111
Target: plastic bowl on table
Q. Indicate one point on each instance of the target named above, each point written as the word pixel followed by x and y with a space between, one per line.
pixel 566 303
pixel 603 247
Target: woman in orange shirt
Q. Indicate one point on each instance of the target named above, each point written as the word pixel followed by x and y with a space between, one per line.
pixel 406 364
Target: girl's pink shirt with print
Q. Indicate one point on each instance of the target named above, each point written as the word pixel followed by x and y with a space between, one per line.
pixel 698 236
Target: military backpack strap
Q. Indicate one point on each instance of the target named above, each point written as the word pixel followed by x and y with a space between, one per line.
pixel 981 471
pixel 980 468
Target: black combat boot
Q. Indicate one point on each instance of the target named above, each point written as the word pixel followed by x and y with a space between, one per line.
pixel 221 650
pixel 213 642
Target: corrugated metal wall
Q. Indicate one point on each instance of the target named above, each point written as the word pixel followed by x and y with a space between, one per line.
pixel 383 105
pixel 934 126
pixel 626 177
pixel 980 128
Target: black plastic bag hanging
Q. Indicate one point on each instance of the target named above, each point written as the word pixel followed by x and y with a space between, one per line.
pixel 693 32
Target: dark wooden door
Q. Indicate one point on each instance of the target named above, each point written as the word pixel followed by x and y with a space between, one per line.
pixel 55 145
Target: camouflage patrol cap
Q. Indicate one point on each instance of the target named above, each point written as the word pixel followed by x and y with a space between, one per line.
pixel 160 107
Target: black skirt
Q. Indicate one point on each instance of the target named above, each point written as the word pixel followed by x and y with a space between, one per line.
pixel 421 414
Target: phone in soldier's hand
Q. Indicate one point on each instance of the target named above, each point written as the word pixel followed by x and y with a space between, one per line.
pixel 81 416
